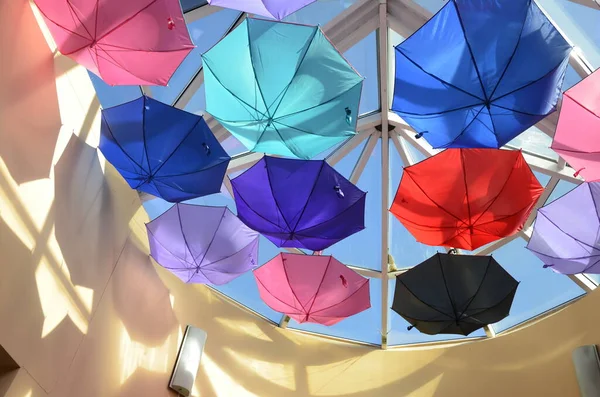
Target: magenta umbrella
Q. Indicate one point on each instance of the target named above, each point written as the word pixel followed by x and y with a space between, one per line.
pixel 277 9
pixel 312 288
pixel 132 42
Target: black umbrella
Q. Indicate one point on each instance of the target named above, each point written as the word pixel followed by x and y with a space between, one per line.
pixel 454 294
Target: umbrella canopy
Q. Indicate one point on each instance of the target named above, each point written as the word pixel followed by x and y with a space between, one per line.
pixel 299 203
pixel 479 73
pixel 454 294
pixel 312 288
pixel 205 245
pixel 282 88
pixel 162 150
pixel 566 235
pixel 466 198
pixel 277 9
pixel 577 137
pixel 133 42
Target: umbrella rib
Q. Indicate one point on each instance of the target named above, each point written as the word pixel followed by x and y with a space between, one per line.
pixel 462 161
pixel 284 92
pixel 493 130
pixel 291 148
pixel 437 78
pixel 274 199
pixel 253 210
pixel 422 301
pixel 487 268
pixel 298 232
pixel 499 219
pixel 319 287
pixel 119 145
pixel 298 129
pixel 575 151
pixel 573 237
pixel 565 258
pixel 62 27
pixel 183 261
pixel 581 105
pixel 516 111
pixel 439 113
pixel 530 83
pixel 446 286
pixel 109 58
pixel 207 267
pixel 287 277
pixel 483 310
pixel 75 16
pixel 470 51
pixel 433 201
pixel 192 172
pixel 312 190
pixel 116 48
pixel 176 148
pixel 197 267
pixel 465 129
pixel 512 55
pixel 270 293
pixel 207 66
pixel 211 241
pixel 144 136
pixel 499 192
pixel 127 20
pixel 342 301
pixel 315 106
pixel 254 72
pixel 425 226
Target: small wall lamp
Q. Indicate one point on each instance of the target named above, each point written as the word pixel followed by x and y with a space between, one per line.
pixel 188 361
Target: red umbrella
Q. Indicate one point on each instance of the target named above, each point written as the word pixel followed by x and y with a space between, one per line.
pixel 466 198
pixel 577 137
pixel 312 288
pixel 132 42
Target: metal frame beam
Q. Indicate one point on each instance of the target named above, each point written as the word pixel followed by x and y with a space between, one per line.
pixel 385 164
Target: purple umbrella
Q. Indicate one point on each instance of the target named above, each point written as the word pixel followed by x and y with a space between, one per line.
pixel 299 203
pixel 205 245
pixel 566 236
pixel 277 9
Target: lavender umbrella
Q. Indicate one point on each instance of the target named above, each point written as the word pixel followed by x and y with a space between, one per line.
pixel 206 245
pixel 277 9
pixel 566 236
pixel 299 203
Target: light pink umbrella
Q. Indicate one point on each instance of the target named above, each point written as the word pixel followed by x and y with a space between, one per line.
pixel 125 42
pixel 577 137
pixel 312 288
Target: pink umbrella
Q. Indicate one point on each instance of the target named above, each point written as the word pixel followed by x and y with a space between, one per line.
pixel 577 137
pixel 132 42
pixel 312 288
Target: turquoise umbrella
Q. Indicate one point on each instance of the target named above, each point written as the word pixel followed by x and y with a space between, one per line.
pixel 282 88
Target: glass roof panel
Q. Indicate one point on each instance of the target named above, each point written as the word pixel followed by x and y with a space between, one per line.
pixel 112 96
pixel 363 249
pixel 205 32
pixel 579 23
pixel 400 335
pixel 562 187
pixel 320 12
pixel 364 326
pixel 534 141
pixel 188 5
pixel 539 289
pixel 363 57
pixel 197 103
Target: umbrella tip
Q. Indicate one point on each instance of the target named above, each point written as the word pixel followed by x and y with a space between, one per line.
pixel 344 281
pixel 547 266
pixel 420 134
pixel 338 191
pixel 410 327
pixel 576 174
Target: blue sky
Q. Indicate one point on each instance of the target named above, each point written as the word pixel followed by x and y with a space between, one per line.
pixel 540 289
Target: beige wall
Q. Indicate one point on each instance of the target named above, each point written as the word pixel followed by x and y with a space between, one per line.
pixel 84 312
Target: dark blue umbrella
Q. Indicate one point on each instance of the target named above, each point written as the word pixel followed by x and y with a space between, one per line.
pixel 479 73
pixel 162 150
pixel 299 203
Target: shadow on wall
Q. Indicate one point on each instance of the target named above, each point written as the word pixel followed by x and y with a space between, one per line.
pixel 29 111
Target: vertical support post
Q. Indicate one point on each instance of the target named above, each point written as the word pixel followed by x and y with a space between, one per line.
pixel 385 165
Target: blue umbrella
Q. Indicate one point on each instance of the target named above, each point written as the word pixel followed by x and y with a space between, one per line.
pixel 479 73
pixel 162 150
pixel 282 88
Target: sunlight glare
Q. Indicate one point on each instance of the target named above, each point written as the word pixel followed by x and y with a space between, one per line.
pixel 134 355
